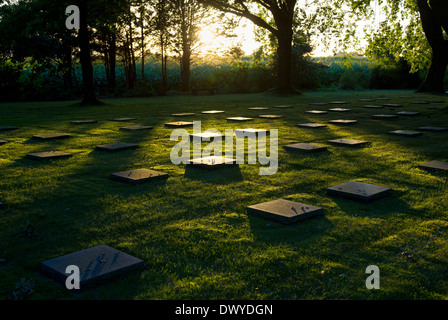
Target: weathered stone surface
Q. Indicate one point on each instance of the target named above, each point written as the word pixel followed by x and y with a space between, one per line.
pixel 95 264
pixel 311 125
pixel 283 107
pixel 384 116
pixel 318 104
pixel 207 136
pixel 258 108
pixel 359 191
pixel 138 176
pixel 124 119
pixel 406 133
pixel 2 142
pixel 182 114
pixel 115 147
pixel 316 112
pixel 250 130
pixel 284 211
pixel 51 136
pixel 213 112
pixel 338 102
pixel 83 121
pixel 238 119
pixel 392 105
pixel 348 142
pixel 382 99
pixel 435 166
pixel 305 147
pixel 179 124
pixel 339 110
pixel 366 100
pixel 8 128
pixel 407 113
pixel 212 163
pixel 420 102
pixel 373 107
pixel 270 116
pixel 136 128
pixel 343 122
pixel 434 129
pixel 50 155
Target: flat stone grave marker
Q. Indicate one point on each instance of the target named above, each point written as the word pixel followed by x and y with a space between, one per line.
pixel 434 129
pixel 407 113
pixel 51 136
pixel 343 122
pixel 338 102
pixel 8 128
pixel 318 104
pixel 2 142
pixel 182 114
pixel 124 119
pixel 138 176
pixel 359 191
pixel 420 102
pixel 348 142
pixel 95 264
pixel 366 100
pixel 250 130
pixel 305 147
pixel 179 124
pixel 212 163
pixel 316 112
pixel 383 99
pixel 213 112
pixel 339 110
pixel 114 147
pixel 311 125
pixel 284 211
pixel 50 155
pixel 238 119
pixel 258 108
pixel 392 105
pixel 436 101
pixel 270 116
pixel 136 128
pixel 385 116
pixel 373 107
pixel 2 205
pixel 435 166
pixel 406 133
pixel 207 136
pixel 83 121
pixel 283 107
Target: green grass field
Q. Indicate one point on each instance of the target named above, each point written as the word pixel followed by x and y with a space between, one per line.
pixel 192 230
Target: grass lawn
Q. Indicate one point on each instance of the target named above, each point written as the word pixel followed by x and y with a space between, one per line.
pixel 192 230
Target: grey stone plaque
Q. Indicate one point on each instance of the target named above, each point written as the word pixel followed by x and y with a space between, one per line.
pixel 179 124
pixel 138 176
pixel 207 136
pixel 373 107
pixel 250 130
pixel 311 125
pixel 1 205
pixel 366 100
pixel 213 112
pixel 360 191
pixel 2 142
pixel 316 112
pixel 83 121
pixel 406 133
pixel 338 102
pixel 284 211
pixel 124 119
pixel 258 108
pixel 95 264
pixel 114 147
pixel 407 113
pixel 436 101
pixel 51 136
pixel 136 128
pixel 339 110
pixel 343 122
pixel 348 142
pixel 212 163
pixel 392 105
pixel 7 128
pixel 305 147
pixel 383 99
pixel 270 116
pixel 435 166
pixel 384 116
pixel 182 114
pixel 420 102
pixel 434 129
pixel 50 155
pixel 239 119
pixel 318 104
pixel 283 107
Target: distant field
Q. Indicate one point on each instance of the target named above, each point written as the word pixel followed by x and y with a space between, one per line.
pixel 192 230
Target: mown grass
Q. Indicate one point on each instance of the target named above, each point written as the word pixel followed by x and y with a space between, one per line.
pixel 192 230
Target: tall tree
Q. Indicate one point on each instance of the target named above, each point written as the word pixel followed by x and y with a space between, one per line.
pixel 282 14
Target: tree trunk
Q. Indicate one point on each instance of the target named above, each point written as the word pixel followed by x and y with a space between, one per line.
pixel 85 58
pixel 434 81
pixel 111 61
pixel 284 56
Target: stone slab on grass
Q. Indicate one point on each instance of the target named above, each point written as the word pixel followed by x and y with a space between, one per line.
pixel 138 176
pixel 239 119
pixel 359 191
pixel 115 147
pixel 284 211
pixel 311 125
pixel 435 166
pixel 348 142
pixel 212 163
pixel 50 136
pixel 343 122
pixel 305 147
pixel 49 155
pixel 433 129
pixel 178 124
pixel 406 133
pixel 136 128
pixel 7 128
